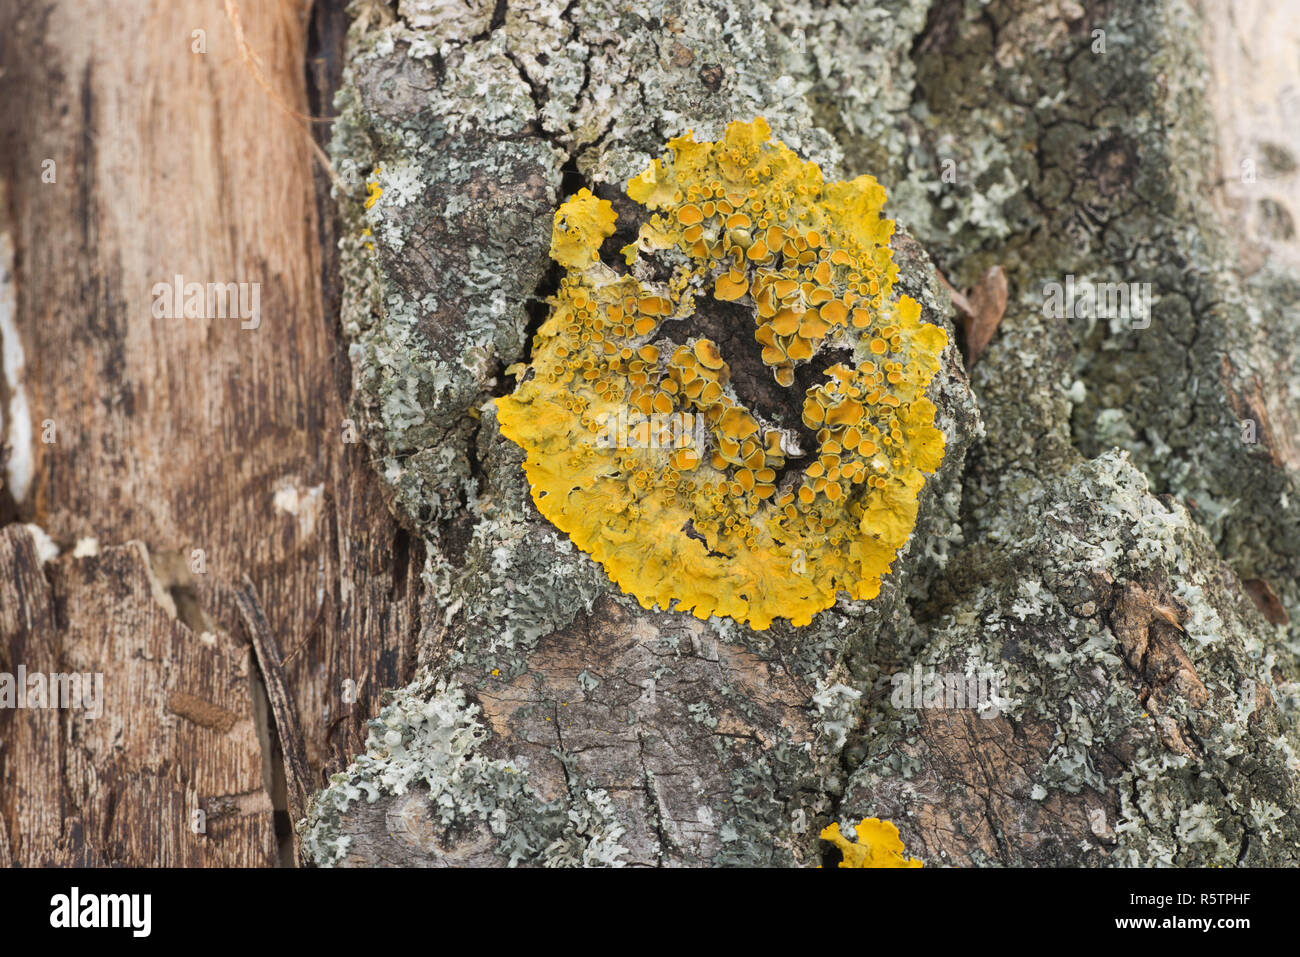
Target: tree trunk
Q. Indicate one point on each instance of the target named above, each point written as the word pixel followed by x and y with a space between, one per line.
pixel 1112 538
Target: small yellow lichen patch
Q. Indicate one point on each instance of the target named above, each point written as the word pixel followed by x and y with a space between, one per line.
pixel 878 845
pixel 581 225
pixel 637 444
pixel 373 189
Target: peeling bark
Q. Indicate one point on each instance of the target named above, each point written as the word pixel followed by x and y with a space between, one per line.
pixel 215 450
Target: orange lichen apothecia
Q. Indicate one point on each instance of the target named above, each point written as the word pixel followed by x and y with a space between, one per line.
pixel 878 845
pixel 703 500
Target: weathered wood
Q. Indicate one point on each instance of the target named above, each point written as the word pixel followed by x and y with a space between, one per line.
pixel 170 771
pixel 224 449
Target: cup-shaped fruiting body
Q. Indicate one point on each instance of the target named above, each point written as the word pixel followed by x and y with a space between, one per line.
pixel 692 501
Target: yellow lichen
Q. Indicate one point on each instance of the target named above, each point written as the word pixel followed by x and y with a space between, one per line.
pixel 711 524
pixel 878 845
pixel 373 189
pixel 581 225
pixel 373 192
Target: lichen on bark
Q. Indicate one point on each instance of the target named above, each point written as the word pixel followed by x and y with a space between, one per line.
pixel 1084 540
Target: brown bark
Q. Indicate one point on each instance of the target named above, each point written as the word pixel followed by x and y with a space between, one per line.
pixel 171 772
pixel 181 435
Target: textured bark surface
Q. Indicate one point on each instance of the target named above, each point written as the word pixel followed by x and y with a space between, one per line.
pixel 182 434
pixel 1113 536
pixel 1085 542
pixel 171 772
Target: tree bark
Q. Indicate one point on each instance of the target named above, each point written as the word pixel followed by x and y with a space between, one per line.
pixel 1086 539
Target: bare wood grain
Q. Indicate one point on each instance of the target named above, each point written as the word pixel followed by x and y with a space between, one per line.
pixel 219 447
pixel 121 778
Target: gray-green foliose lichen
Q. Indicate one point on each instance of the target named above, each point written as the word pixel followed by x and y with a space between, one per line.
pixel 1055 647
pixel 427 738
pixel 1063 141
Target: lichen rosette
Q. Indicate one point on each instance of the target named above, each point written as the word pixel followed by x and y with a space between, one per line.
pixel 697 501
